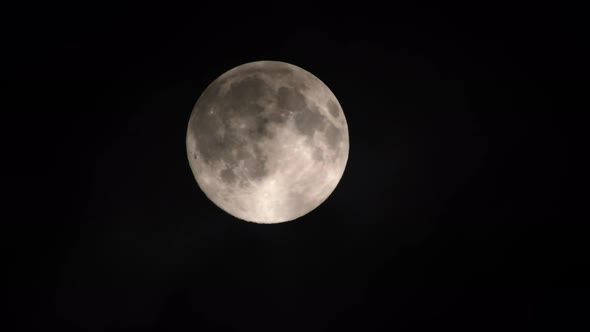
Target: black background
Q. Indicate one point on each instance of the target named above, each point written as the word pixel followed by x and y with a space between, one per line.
pixel 457 209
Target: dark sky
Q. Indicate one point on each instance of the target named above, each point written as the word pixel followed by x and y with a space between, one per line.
pixel 456 210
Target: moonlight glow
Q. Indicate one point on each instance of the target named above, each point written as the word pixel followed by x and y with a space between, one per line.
pixel 267 142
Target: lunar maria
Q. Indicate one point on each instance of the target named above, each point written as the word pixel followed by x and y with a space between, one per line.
pixel 267 142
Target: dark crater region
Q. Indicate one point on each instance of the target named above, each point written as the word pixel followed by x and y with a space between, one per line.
pixel 242 102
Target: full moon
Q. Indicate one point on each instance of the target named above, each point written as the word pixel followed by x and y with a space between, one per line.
pixel 267 142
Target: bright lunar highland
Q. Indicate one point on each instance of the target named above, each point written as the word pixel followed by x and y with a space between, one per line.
pixel 267 142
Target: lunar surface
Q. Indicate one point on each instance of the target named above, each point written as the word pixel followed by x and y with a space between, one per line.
pixel 267 142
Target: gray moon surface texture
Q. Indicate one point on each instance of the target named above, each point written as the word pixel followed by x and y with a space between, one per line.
pixel 267 142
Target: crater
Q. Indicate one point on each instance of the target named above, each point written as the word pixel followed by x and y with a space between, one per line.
pixel 255 165
pixel 215 113
pixel 333 108
pixel 243 94
pixel 333 136
pixel 228 176
pixel 309 120
pixel 318 154
pixel 290 100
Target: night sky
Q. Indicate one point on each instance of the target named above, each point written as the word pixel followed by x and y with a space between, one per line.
pixel 456 211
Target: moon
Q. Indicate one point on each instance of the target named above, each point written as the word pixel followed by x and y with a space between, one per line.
pixel 267 142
